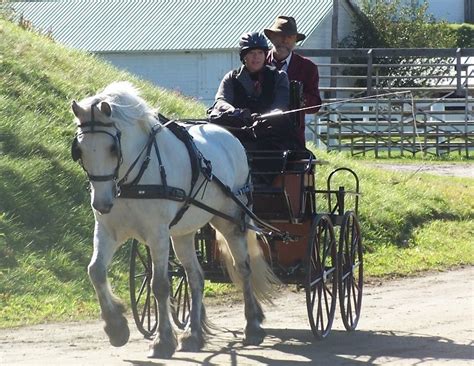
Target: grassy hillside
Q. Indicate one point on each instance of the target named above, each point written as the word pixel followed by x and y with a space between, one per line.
pixel 45 218
pixel 410 223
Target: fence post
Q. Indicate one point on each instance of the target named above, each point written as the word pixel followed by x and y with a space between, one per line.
pixel 458 72
pixel 370 60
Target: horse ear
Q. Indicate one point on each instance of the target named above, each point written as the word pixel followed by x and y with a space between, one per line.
pixel 105 108
pixel 75 108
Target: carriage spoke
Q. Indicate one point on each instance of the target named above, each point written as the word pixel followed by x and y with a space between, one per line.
pixel 350 307
pixel 330 271
pixel 186 305
pixel 325 293
pixel 140 292
pixel 177 297
pixel 354 292
pixel 349 298
pixel 319 316
pixel 356 265
pixel 346 275
pixel 143 260
pixel 356 286
pixel 145 308
pixel 316 281
pixel 313 297
pixel 354 245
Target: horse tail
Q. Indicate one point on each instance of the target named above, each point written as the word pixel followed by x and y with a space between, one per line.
pixel 262 279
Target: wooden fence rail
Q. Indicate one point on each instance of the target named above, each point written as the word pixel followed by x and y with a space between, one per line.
pixel 421 101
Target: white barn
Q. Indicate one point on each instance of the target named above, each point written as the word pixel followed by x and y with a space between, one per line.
pixel 181 45
pixel 453 11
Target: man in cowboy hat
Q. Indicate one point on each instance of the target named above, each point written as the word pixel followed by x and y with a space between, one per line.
pixel 283 34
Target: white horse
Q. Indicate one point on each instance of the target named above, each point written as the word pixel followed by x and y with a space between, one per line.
pixel 113 128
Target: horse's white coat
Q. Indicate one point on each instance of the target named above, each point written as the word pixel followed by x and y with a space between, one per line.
pixel 147 220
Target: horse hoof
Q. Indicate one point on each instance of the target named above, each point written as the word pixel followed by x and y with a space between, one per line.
pixel 191 343
pixel 118 333
pixel 254 337
pixel 161 350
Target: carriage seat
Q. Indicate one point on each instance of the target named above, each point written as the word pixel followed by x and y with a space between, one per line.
pixel 280 180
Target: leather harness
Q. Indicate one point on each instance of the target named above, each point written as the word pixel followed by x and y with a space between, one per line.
pixel 199 164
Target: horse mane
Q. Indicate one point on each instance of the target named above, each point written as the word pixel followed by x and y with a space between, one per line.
pixel 126 103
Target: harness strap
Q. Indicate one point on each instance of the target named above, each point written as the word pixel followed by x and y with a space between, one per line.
pixel 154 191
pixel 145 163
pixel 207 208
pixel 160 163
pixel 199 165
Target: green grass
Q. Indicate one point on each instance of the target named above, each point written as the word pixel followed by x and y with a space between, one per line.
pixel 411 223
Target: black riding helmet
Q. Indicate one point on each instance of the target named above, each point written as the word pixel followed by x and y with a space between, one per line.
pixel 250 41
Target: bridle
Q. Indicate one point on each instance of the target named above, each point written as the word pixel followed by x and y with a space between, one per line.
pixel 89 127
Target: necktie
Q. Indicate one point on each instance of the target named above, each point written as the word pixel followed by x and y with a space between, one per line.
pixel 279 64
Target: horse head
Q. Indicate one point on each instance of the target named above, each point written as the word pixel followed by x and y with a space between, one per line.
pixel 98 144
pixel 97 147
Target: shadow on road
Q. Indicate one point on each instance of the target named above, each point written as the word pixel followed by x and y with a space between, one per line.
pixel 299 347
pixel 360 347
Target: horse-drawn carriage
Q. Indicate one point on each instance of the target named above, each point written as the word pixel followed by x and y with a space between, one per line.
pixel 155 183
pixel 323 254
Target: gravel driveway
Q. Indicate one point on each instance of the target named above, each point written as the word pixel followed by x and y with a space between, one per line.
pixel 426 320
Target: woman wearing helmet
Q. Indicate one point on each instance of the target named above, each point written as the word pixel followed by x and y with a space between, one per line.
pixel 255 88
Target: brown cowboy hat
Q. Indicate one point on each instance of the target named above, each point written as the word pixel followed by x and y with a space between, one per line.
pixel 285 26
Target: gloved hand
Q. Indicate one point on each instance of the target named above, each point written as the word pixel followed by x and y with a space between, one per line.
pixel 255 116
pixel 243 114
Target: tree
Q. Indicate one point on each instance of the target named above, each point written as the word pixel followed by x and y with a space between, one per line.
pixel 403 24
pixel 399 24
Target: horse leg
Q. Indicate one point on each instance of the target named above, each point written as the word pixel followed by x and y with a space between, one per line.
pixel 193 339
pixel 112 309
pixel 237 244
pixel 165 342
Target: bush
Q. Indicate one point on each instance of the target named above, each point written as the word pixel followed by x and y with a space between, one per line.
pixel 396 24
pixel 399 24
pixel 464 34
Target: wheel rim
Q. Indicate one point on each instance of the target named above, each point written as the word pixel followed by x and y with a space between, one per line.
pixel 321 277
pixel 350 274
pixel 143 303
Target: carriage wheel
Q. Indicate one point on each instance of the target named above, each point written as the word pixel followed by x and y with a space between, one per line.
pixel 143 302
pixel 350 272
pixel 180 294
pixel 321 276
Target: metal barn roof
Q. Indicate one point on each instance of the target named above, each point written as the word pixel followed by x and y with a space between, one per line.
pixel 164 25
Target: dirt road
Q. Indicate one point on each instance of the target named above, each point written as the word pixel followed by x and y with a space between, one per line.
pixel 424 321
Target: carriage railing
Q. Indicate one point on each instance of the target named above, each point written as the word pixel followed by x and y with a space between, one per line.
pixel 280 180
pixel 336 198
